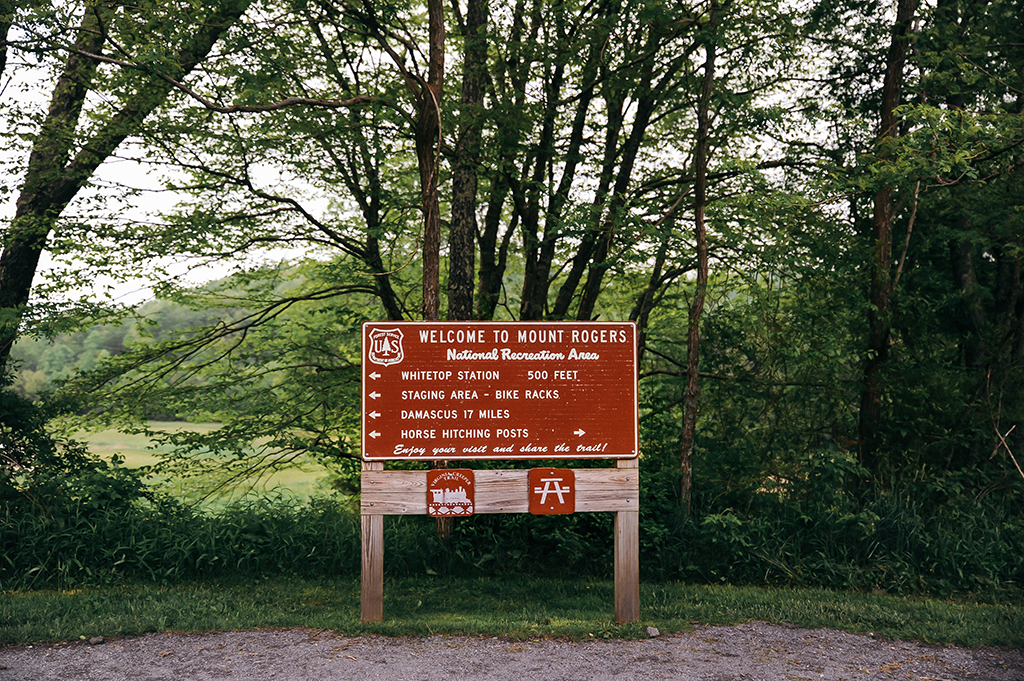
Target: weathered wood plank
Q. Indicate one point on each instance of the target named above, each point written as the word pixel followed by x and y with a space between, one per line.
pixel 627 566
pixel 502 491
pixel 394 492
pixel 499 491
pixel 607 489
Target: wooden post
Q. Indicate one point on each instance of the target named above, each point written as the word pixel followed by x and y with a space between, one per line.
pixel 372 599
pixel 627 558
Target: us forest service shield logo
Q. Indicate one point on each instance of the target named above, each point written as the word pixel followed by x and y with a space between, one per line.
pixel 386 346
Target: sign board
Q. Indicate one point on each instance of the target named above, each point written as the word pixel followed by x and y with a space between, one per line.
pixel 499 390
pixel 450 493
pixel 552 491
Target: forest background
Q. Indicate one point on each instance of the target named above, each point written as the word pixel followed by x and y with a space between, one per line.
pixel 812 211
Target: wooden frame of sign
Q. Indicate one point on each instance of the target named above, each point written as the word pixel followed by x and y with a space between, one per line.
pixel 503 491
pixel 438 391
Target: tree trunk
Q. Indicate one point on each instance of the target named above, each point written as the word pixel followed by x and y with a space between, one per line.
pixel 463 228
pixel 537 250
pixel 599 266
pixel 493 256
pixel 971 318
pixel 1009 300
pixel 656 283
pixel 700 189
pixel 6 12
pixel 614 100
pixel 428 154
pixel 45 191
pixel 880 291
pixel 515 71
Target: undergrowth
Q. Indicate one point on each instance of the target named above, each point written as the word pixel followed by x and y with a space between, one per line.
pixel 889 542
pixel 68 520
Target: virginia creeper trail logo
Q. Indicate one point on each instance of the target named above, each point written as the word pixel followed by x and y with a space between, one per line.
pixel 450 492
pixel 386 346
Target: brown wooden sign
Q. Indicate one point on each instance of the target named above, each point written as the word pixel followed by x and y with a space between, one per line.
pixel 552 491
pixel 499 390
pixel 450 493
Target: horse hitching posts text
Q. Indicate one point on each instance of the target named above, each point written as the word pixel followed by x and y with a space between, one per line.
pixel 438 391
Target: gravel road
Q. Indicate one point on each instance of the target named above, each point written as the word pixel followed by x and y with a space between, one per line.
pixel 756 651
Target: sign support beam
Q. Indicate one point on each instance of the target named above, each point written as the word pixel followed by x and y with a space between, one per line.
pixel 627 558
pixel 371 602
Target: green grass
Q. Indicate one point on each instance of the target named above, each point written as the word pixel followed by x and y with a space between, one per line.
pixel 298 483
pixel 514 609
pixel 137 449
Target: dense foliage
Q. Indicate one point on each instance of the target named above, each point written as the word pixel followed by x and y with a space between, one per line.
pixel 932 536
pixel 813 213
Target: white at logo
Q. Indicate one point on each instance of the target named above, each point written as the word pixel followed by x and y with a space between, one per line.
pixel 386 346
pixel 551 486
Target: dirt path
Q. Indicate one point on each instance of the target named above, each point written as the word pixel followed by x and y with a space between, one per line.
pixel 756 651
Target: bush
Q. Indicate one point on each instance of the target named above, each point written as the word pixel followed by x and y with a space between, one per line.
pixel 924 536
pixel 164 542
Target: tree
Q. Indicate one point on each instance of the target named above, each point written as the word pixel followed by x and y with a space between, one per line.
pixel 6 19
pixel 234 211
pixel 939 79
pixel 883 216
pixel 700 163
pixel 967 122
pixel 462 232
pixel 570 181
pixel 67 151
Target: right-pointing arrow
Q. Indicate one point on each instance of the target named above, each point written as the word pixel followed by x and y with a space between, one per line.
pixel 580 432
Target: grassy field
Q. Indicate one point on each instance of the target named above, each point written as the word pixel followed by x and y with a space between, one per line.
pixel 518 609
pixel 138 450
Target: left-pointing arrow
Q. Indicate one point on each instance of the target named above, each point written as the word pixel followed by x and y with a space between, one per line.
pixel 375 375
pixel 374 395
pixel 374 414
pixel 374 434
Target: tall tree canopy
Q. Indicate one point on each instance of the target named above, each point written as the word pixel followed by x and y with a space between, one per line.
pixel 165 41
pixel 820 204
